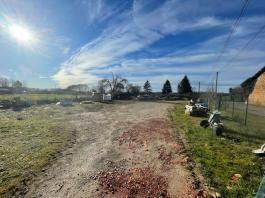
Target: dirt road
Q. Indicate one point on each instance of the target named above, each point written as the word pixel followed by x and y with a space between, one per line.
pixel 122 150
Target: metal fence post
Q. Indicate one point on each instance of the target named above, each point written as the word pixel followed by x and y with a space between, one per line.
pixel 233 106
pixel 224 104
pixel 246 113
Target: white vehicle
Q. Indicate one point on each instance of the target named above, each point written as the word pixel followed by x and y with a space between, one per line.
pixel 259 151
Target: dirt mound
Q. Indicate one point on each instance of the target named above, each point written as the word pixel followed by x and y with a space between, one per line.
pixel 136 182
pixel 146 132
pixel 151 144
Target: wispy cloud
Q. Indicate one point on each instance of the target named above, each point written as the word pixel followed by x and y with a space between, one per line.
pixel 43 77
pixel 141 26
pixel 100 10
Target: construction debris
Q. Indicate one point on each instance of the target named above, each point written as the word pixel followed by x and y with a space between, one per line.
pixel 137 182
pixel 65 103
pixel 215 122
pixel 260 151
pixel 198 109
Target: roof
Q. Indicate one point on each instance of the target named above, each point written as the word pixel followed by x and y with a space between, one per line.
pixel 261 71
pixel 250 81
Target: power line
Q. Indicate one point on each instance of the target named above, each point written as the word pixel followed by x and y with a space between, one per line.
pixel 232 31
pixel 245 46
pixel 233 28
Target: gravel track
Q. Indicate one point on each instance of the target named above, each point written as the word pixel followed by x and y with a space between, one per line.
pixel 103 144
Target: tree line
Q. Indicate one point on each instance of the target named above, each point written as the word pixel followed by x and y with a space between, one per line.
pixel 7 83
pixel 116 85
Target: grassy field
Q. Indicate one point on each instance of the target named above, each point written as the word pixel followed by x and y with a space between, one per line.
pixel 29 139
pixel 219 158
pixel 36 97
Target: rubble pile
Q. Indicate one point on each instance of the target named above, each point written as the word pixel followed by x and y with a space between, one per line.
pixel 136 182
pixel 146 132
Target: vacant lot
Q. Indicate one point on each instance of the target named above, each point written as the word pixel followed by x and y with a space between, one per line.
pixel 36 97
pixel 121 149
pixel 29 139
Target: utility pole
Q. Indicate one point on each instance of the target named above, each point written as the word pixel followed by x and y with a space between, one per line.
pixel 199 88
pixel 216 94
pixel 216 83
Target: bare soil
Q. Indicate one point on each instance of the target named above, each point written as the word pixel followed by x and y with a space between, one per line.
pixel 124 149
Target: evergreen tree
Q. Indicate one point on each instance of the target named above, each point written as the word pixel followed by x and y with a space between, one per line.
pixel 167 88
pixel 184 86
pixel 147 87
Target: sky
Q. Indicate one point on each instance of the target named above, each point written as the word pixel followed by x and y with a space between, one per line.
pixel 83 41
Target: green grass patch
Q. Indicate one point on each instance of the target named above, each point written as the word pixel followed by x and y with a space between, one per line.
pixel 254 127
pixel 219 158
pixel 28 140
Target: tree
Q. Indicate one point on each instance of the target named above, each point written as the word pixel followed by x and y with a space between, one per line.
pixel 184 86
pixel 100 87
pixel 147 87
pixel 115 85
pixel 17 84
pixel 133 90
pixel 78 88
pixel 167 88
pixel 4 82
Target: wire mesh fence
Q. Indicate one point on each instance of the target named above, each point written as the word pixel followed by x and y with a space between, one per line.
pixel 237 109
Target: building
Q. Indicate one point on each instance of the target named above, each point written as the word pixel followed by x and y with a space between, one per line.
pixel 255 87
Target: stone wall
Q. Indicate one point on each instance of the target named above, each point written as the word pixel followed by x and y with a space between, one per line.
pixel 257 96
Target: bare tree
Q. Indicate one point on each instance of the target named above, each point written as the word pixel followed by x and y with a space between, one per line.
pixel 100 87
pixel 4 82
pixel 115 85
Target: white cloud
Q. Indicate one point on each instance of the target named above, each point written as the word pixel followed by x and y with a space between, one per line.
pixel 138 28
pixel 129 32
pixel 100 10
pixel 43 77
pixel 74 77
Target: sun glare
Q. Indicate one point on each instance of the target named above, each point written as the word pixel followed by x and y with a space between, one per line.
pixel 21 34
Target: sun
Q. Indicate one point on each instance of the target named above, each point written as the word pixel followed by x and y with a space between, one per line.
pixel 21 34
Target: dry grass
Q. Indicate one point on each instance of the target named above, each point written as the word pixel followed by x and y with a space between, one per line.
pixel 28 141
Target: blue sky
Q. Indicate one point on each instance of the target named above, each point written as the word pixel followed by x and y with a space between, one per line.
pixel 82 41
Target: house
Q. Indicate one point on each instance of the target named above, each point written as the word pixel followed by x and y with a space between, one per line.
pixel 255 87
